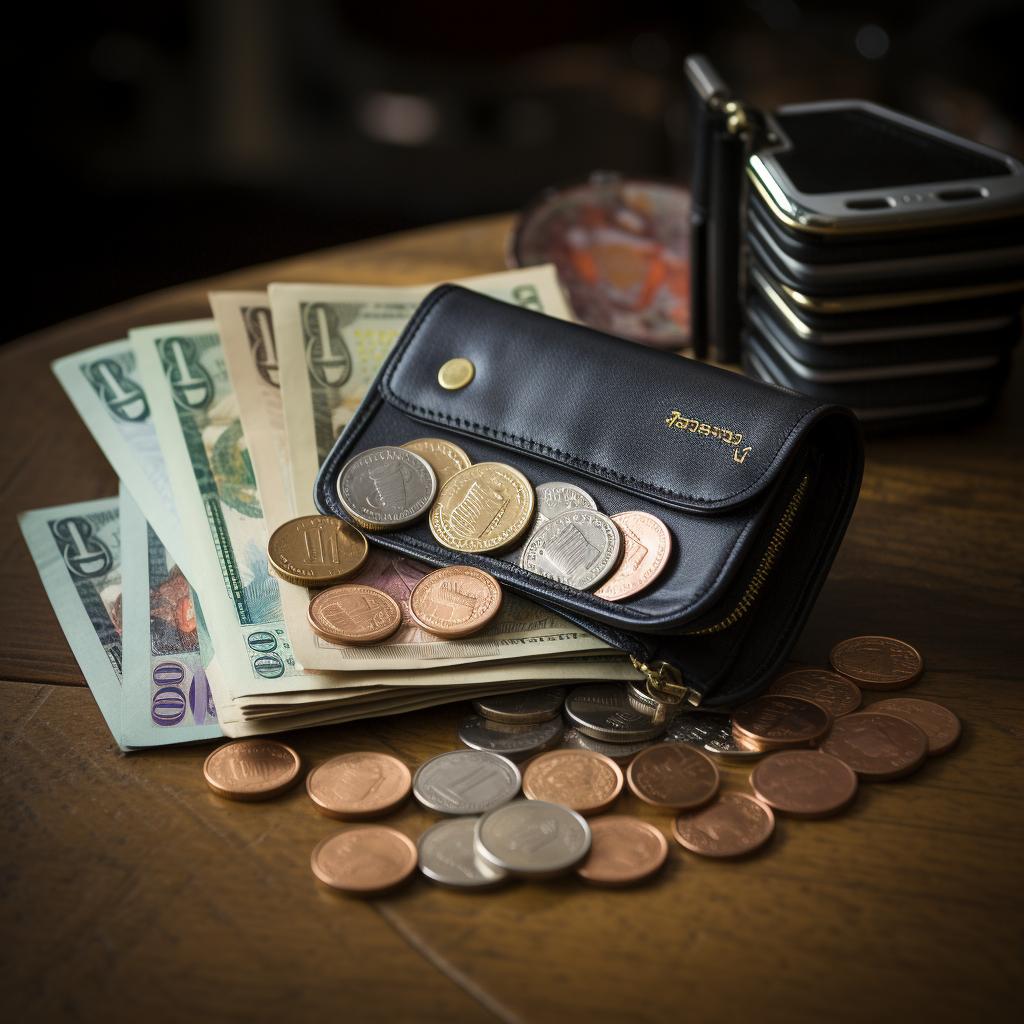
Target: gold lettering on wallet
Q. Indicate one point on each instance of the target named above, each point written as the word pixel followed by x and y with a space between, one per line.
pixel 691 425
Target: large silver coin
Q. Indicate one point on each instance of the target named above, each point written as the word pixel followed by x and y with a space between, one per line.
pixel 466 782
pixel 579 548
pixel 517 742
pixel 603 712
pixel 620 753
pixel 524 708
pixel 553 499
pixel 387 487
pixel 448 856
pixel 533 837
pixel 711 731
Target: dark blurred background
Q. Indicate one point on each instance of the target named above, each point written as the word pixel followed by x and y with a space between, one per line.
pixel 153 143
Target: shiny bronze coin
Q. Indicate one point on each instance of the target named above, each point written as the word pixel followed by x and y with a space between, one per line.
pixel 445 459
pixel 938 723
pixel 836 694
pixel 362 784
pixel 877 662
pixel 804 783
pixel 364 860
pixel 772 722
pixel 877 747
pixel 254 769
pixel 733 825
pixel 646 547
pixel 486 508
pixel 314 551
pixel 456 601
pixel 623 851
pixel 581 780
pixel 673 775
pixel 354 614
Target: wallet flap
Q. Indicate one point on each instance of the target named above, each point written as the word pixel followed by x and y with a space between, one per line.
pixel 675 431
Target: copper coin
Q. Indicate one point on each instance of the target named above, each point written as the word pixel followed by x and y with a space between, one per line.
pixel 456 601
pixel 773 722
pixel 877 747
pixel 362 784
pixel 938 723
pixel 836 694
pixel 646 546
pixel 623 850
pixel 733 825
pixel 354 614
pixel 877 662
pixel 316 550
pixel 251 769
pixel 673 775
pixel 581 780
pixel 804 783
pixel 445 459
pixel 364 860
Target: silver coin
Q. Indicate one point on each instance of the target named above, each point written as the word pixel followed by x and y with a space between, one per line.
pixel 533 837
pixel 579 548
pixel 523 708
pixel 602 711
pixel 386 487
pixel 556 497
pixel 517 742
pixel 711 731
pixel 620 753
pixel 466 782
pixel 447 855
pixel 553 499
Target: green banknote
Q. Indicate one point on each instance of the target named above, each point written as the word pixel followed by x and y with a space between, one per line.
pixel 106 389
pixel 167 696
pixel 204 447
pixel 77 550
pixel 129 618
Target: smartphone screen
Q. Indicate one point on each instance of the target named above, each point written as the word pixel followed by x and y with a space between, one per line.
pixel 852 150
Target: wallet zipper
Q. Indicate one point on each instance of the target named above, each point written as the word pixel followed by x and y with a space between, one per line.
pixel 665 680
pixel 766 564
pixel 665 683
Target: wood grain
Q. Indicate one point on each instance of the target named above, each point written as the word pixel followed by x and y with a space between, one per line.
pixel 129 891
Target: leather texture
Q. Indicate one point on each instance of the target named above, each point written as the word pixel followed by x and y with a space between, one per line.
pixel 716 456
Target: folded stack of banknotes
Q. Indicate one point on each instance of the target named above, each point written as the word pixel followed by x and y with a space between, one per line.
pixel 216 428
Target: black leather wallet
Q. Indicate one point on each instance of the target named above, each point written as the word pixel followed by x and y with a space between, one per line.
pixel 755 483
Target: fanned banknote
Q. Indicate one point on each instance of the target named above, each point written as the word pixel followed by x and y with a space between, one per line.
pixel 166 697
pixel 333 341
pixel 106 596
pixel 77 550
pixel 106 389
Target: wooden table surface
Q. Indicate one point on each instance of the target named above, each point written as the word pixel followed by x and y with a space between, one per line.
pixel 131 892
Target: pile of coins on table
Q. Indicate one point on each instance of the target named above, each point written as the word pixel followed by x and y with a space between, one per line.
pixel 809 745
pixel 555 530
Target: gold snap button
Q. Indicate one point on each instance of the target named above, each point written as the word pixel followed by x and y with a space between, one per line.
pixel 455 374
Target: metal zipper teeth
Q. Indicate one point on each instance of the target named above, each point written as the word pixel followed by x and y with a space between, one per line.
pixel 764 567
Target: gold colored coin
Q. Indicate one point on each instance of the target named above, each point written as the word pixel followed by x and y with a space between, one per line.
pixel 315 551
pixel 486 508
pixel 445 459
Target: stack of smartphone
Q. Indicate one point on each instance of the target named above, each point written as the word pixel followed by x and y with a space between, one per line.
pixel 884 262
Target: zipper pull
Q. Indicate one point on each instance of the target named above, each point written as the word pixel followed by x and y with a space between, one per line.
pixel 664 688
